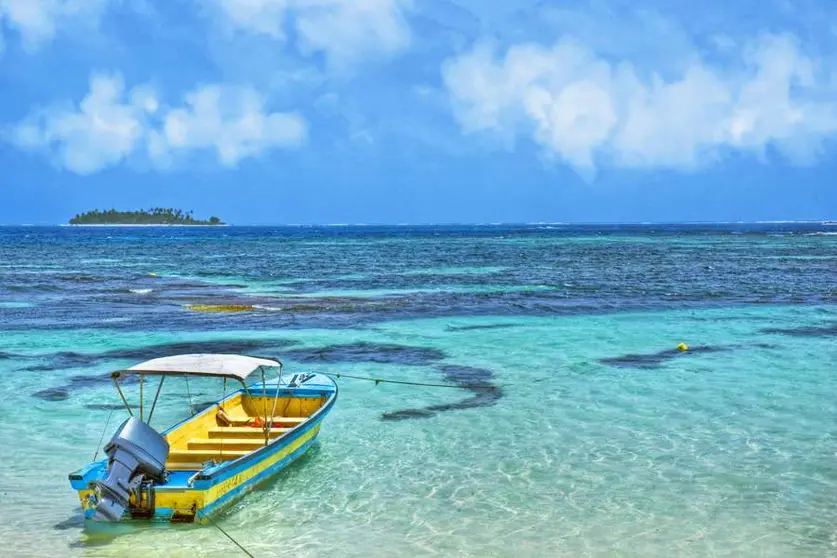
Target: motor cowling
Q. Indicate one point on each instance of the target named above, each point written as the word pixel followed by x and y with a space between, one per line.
pixel 136 453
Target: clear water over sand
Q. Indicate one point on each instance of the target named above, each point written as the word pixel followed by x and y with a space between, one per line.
pixel 597 439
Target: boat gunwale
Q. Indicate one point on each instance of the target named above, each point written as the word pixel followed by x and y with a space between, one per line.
pixel 212 473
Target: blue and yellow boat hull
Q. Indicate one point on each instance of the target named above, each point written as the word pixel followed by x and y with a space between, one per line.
pixel 212 465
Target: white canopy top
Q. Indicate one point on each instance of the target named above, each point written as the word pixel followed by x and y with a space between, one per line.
pixel 232 366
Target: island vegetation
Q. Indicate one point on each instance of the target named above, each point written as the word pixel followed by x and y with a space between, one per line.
pixel 154 216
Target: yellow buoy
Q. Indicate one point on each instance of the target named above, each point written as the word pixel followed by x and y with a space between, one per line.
pixel 682 347
pixel 152 274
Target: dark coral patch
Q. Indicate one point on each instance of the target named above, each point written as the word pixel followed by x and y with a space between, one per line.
pixel 407 414
pixel 382 353
pixel 806 331
pixel 75 383
pixel 648 361
pixel 465 375
pixel 63 360
pixel 476 380
pixel 487 398
pixel 483 326
pixel 53 394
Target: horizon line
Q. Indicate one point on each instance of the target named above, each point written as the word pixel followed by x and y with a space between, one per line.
pixel 826 222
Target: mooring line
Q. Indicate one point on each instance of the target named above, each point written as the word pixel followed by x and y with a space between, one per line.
pixel 235 542
pixel 102 437
pixel 426 384
pixel 404 382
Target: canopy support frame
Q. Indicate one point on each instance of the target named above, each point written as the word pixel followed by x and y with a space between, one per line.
pixel 275 400
pixel 116 375
pixel 114 378
pixel 156 396
pixel 142 382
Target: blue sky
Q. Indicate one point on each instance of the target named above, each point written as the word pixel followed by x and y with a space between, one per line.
pixel 420 111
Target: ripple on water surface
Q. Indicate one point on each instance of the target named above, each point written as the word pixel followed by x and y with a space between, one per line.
pixel 590 435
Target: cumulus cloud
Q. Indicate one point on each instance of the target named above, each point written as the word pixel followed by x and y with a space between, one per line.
pixel 104 129
pixel 589 110
pixel 344 30
pixel 111 124
pixel 266 17
pixel 38 21
pixel 231 121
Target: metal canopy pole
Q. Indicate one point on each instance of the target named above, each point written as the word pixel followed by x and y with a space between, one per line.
pixel 154 405
pixel 122 395
pixel 264 408
pixel 223 394
pixel 275 400
pixel 281 370
pixel 246 389
pixel 142 381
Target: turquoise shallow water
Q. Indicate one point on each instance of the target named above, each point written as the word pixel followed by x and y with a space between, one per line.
pixel 598 438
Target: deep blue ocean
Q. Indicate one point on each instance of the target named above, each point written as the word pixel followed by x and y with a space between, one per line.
pixel 597 437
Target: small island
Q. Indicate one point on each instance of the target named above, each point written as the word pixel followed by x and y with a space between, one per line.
pixel 154 216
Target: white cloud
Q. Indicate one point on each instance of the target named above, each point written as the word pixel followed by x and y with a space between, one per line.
pixel 232 122
pixel 266 17
pixel 102 132
pixel 344 30
pixel 38 21
pixel 111 125
pixel 348 29
pixel 589 110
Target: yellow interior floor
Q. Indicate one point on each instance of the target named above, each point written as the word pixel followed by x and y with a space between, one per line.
pixel 235 430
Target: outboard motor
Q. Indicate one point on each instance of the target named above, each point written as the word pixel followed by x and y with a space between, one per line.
pixel 136 453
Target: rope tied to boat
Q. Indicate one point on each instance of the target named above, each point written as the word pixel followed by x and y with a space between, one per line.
pixel 408 383
pixel 235 542
pixel 102 437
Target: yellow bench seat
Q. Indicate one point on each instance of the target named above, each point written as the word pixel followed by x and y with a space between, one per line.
pixel 245 419
pixel 201 455
pixel 244 432
pixel 218 444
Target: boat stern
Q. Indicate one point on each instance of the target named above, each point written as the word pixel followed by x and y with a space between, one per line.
pixel 84 481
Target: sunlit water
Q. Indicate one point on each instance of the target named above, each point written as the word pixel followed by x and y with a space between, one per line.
pixel 596 437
